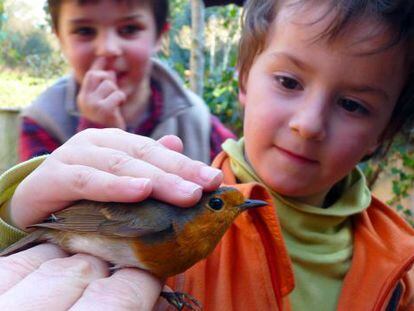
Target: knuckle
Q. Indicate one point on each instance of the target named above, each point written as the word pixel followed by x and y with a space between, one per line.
pixel 62 151
pixel 80 138
pixel 81 179
pixel 158 178
pixel 181 165
pixel 145 149
pixel 117 162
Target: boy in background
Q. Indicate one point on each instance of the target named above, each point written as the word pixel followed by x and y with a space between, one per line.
pixel 116 82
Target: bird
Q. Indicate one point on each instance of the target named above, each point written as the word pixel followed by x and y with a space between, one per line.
pixel 151 235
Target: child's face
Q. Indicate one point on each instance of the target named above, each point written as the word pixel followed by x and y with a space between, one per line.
pixel 313 110
pixel 124 35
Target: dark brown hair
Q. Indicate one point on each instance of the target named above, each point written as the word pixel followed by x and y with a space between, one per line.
pixel 160 9
pixel 396 16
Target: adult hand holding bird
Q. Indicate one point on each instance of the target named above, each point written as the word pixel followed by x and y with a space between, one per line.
pixel 106 165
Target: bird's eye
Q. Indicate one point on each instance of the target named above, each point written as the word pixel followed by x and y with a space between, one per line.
pixel 216 203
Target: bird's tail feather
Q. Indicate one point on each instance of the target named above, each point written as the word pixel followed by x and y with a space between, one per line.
pixel 24 243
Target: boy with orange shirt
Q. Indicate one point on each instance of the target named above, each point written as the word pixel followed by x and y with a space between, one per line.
pixel 323 84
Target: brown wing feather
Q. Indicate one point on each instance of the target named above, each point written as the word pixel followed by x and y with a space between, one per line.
pixel 111 219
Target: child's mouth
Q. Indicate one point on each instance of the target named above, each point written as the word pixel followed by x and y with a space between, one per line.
pixel 120 76
pixel 296 157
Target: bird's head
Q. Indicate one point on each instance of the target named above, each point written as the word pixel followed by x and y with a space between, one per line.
pixel 220 208
pixel 211 217
pixel 228 200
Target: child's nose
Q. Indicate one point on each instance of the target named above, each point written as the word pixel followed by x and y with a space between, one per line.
pixel 108 44
pixel 309 120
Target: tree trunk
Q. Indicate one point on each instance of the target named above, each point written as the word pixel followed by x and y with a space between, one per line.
pixel 197 47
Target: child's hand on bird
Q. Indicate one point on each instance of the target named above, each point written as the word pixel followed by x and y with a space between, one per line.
pixel 110 165
pixel 100 98
pixel 78 282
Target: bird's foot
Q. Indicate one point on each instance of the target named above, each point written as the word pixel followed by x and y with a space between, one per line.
pixel 181 300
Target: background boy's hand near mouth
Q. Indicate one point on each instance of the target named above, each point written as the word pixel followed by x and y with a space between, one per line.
pixel 100 97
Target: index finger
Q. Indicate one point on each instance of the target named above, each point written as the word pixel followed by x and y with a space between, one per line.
pixel 98 64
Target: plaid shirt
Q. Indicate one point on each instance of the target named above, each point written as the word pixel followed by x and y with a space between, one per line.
pixel 35 140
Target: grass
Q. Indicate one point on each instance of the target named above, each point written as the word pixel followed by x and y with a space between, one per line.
pixel 18 89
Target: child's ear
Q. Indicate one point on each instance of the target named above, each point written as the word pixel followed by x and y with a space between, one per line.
pixel 157 45
pixel 242 97
pixel 62 49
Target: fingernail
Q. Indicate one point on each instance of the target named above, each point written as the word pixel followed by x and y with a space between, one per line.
pixel 208 174
pixel 189 188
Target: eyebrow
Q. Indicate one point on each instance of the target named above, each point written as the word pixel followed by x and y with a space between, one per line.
pixel 370 89
pixel 297 62
pixel 82 20
pixel 355 88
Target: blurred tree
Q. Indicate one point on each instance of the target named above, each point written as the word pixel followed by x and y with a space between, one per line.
pixel 2 19
pixel 173 53
pixel 1 11
pixel 27 46
pixel 48 19
pixel 197 47
pixel 222 32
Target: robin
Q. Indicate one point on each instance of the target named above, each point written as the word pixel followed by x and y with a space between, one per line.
pixel 151 235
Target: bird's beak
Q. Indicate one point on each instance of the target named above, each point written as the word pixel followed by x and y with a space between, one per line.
pixel 251 203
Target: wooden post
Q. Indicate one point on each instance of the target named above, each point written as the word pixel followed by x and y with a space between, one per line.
pixel 9 132
pixel 197 47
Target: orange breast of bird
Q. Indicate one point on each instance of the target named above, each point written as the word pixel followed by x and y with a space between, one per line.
pixel 189 244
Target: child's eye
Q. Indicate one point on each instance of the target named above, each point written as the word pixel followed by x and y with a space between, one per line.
pixel 129 30
pixel 288 83
pixel 84 31
pixel 353 106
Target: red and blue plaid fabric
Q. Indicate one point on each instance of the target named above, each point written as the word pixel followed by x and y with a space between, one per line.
pixel 35 140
